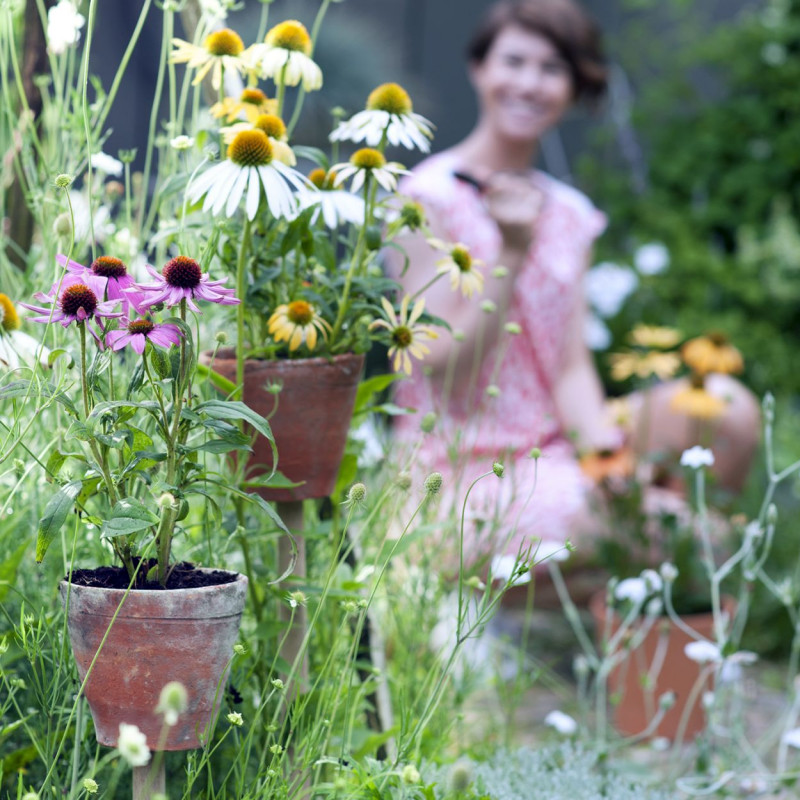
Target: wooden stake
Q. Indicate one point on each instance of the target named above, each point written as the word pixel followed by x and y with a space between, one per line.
pixel 150 779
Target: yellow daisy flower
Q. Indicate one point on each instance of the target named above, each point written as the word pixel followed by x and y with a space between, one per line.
pixel 654 336
pixel 404 333
pixel 712 353
pixel 221 50
pixel 644 365
pixel 273 126
pixel 285 56
pixel 460 266
pixel 297 323
pixel 252 103
pixel 696 401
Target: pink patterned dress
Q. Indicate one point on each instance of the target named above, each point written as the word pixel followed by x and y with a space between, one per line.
pixel 536 498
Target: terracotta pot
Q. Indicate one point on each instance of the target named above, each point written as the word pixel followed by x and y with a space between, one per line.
pixel 184 635
pixel 310 426
pixel 636 705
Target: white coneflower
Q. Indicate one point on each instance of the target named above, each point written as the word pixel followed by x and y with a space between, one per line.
pixel 389 113
pixel 221 50
pixel 368 162
pixel 285 56
pixel 337 206
pixel 459 264
pixel 405 334
pixel 250 165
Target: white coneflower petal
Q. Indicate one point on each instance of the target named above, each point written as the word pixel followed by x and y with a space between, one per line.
pixel 235 196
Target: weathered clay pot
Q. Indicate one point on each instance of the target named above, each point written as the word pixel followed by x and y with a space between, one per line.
pixel 184 635
pixel 637 706
pixel 310 425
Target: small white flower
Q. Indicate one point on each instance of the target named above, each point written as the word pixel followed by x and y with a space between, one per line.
pixel 132 745
pixel 561 722
pixel 707 700
pixel 633 589
pixel 697 457
pixel 596 334
pixel 661 744
pixel 654 607
pixel 103 162
pixel 669 572
pixel 652 579
pixel 172 702
pixel 235 719
pixel 792 738
pixel 64 25
pixel 651 259
pixel 506 566
pixel 745 657
pixel 608 286
pixel 182 142
pixel 702 652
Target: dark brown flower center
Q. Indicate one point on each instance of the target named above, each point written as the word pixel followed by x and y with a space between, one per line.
pixel 402 337
pixel 78 296
pixel 109 267
pixel 182 272
pixel 140 326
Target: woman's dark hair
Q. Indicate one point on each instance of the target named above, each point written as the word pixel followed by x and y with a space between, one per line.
pixel 564 23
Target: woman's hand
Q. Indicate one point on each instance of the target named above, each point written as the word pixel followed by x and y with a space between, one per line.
pixel 514 203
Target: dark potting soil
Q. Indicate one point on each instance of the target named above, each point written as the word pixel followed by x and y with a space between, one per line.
pixel 182 575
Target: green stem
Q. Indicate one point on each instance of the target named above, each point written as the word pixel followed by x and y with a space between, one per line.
pixel 241 292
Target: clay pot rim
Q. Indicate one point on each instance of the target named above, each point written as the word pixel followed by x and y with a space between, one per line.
pixel 240 578
pixel 229 354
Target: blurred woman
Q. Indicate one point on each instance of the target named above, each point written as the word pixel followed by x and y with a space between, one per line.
pixel 517 379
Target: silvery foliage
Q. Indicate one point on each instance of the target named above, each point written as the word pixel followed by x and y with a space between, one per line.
pixel 548 773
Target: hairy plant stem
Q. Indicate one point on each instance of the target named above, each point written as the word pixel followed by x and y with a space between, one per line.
pixel 241 291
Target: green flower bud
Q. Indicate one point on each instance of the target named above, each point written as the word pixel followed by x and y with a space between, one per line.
pixel 433 483
pixel 428 422
pixel 498 469
pixel 63 180
pixel 90 786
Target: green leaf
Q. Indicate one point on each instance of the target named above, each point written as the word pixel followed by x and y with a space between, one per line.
pixel 37 390
pixel 54 464
pixel 55 514
pixel 214 446
pixel 8 569
pixel 370 387
pixel 128 516
pixel 56 354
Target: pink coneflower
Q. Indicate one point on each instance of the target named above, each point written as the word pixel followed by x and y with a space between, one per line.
pixel 138 331
pixel 182 279
pixel 77 299
pixel 117 284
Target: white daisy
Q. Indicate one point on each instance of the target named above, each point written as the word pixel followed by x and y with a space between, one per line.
pixel 221 50
pixel 103 162
pixel 388 114
pixel 250 165
pixel 285 56
pixel 365 163
pixel 336 205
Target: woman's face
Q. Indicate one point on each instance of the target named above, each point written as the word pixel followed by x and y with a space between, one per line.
pixel 523 84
